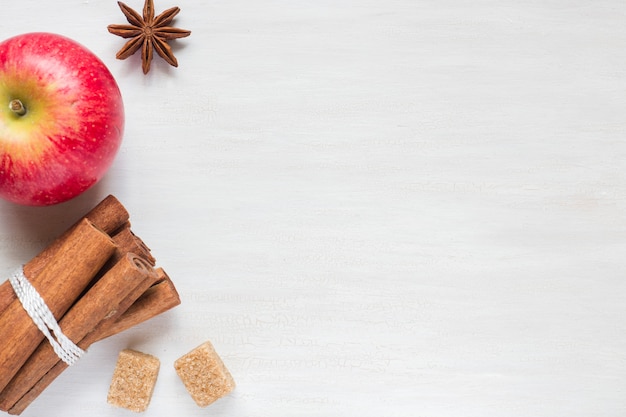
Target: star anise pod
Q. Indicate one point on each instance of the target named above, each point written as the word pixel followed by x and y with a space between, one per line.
pixel 148 33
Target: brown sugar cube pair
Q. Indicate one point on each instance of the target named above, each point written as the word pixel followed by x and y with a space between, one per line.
pixel 202 371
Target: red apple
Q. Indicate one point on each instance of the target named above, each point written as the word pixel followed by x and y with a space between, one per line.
pixel 61 119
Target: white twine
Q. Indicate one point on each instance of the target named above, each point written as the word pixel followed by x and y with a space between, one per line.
pixel 43 318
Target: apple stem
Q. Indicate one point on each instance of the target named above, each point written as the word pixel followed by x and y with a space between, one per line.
pixel 17 107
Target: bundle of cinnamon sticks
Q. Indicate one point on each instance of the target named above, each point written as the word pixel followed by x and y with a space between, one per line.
pixel 98 279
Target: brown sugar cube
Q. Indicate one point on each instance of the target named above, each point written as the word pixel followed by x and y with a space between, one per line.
pixel 133 380
pixel 204 374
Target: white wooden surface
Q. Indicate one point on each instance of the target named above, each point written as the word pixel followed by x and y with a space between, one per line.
pixel 371 208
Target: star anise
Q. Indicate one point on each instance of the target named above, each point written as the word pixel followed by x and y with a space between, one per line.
pixel 148 33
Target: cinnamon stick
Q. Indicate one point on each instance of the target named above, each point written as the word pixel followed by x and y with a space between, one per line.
pixel 61 280
pixel 126 242
pixel 159 298
pixel 101 302
pixel 109 215
pixel 151 297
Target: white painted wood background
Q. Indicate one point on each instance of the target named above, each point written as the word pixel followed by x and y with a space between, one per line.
pixel 371 208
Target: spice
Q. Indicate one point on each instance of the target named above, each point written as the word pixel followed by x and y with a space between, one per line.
pixel 109 216
pixel 148 33
pixel 159 298
pixel 61 282
pixel 99 279
pixel 101 301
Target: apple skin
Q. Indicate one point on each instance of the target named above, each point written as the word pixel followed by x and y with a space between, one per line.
pixel 73 125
